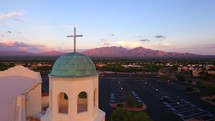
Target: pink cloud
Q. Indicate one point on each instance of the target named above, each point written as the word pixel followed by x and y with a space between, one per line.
pixel 10 15
pixel 23 49
pixel 8 43
pixel 21 46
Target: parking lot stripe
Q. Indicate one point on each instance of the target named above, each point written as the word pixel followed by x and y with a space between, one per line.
pixel 201 115
pixel 187 110
pixel 184 109
pixel 194 115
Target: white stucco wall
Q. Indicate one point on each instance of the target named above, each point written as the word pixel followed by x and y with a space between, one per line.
pixel 18 81
pixel 72 87
pixel 34 101
pixel 20 112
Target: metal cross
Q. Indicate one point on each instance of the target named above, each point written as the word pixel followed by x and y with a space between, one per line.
pixel 75 38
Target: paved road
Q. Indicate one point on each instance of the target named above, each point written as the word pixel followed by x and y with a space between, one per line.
pixel 149 91
pixel 104 96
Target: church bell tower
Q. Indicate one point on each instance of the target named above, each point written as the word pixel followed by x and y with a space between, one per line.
pixel 73 89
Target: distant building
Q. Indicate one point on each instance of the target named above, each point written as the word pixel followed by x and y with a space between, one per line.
pixel 131 66
pixel 169 64
pixel 196 72
pixel 100 65
pixel 183 69
pixel 211 71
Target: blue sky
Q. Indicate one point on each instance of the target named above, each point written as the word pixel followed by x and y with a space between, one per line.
pixel 168 25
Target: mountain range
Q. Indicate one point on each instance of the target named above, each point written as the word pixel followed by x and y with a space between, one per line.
pixel 137 52
pixel 113 52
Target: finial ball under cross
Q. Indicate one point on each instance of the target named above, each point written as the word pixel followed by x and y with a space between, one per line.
pixel 75 38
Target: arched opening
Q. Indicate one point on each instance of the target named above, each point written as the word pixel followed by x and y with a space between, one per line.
pixel 95 97
pixel 63 104
pixel 82 102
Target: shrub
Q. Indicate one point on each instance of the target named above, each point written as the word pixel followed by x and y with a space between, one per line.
pixel 139 105
pixel 130 101
pixel 123 115
pixel 119 105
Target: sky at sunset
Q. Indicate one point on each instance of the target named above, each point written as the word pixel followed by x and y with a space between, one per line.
pixel 167 25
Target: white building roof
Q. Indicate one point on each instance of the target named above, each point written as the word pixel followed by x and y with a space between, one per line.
pixel 13 83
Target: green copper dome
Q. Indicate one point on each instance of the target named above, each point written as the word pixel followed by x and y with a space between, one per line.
pixel 73 65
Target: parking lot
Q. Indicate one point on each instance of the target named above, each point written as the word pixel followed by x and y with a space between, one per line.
pixel 149 90
pixel 119 92
pixel 184 109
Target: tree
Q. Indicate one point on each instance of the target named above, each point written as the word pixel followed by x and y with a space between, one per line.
pixel 123 115
pixel 43 68
pixel 180 77
pixel 130 101
pixel 210 90
pixel 207 88
pixel 5 67
pixel 151 68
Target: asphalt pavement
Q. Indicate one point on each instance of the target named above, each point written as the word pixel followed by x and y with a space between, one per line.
pixel 150 90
